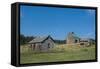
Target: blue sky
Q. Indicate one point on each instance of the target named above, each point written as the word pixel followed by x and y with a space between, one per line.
pixel 57 22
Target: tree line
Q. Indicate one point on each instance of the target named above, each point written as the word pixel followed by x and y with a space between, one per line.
pixel 60 41
pixel 25 39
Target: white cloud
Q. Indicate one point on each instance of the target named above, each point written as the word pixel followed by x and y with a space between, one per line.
pixel 89 35
pixel 90 12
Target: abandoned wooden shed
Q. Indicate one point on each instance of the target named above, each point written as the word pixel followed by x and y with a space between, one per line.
pixel 86 41
pixel 42 43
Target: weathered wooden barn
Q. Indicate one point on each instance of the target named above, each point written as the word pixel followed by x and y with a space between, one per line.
pixel 42 43
pixel 73 39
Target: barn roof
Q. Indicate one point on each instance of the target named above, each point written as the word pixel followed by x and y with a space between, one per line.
pixel 86 39
pixel 73 35
pixel 39 39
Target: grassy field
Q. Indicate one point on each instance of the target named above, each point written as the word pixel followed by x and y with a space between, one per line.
pixel 58 53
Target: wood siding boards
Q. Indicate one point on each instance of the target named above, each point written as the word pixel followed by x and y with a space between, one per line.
pixel 42 44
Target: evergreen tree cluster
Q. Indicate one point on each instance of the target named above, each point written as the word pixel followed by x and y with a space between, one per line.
pixel 25 39
pixel 60 41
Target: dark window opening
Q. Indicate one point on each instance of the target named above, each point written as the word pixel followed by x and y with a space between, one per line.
pixel 76 41
pixel 81 43
pixel 33 46
pixel 48 45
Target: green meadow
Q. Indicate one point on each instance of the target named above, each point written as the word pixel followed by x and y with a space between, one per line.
pixel 58 53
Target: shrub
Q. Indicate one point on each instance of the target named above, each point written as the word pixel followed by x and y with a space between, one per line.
pixel 85 50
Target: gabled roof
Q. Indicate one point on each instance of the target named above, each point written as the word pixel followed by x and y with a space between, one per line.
pixel 73 35
pixel 39 39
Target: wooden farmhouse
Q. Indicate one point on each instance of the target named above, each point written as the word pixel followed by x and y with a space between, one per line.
pixel 42 43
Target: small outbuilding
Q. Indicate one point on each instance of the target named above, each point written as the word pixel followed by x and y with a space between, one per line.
pixel 42 43
pixel 86 41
